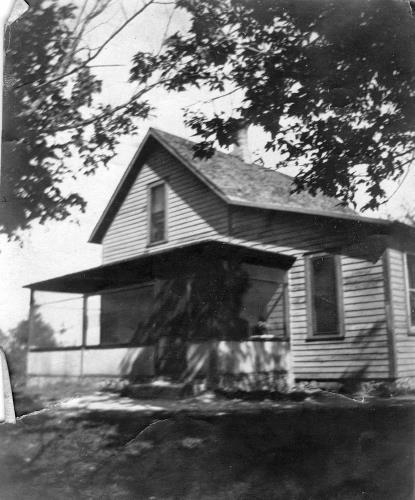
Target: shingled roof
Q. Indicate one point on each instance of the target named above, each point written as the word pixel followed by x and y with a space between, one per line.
pixel 236 182
pixel 244 183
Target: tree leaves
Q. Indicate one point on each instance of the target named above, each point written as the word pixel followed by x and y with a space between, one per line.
pixel 52 114
pixel 332 83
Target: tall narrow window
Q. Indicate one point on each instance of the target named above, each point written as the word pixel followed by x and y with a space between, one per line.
pixel 410 261
pixel 157 213
pixel 324 296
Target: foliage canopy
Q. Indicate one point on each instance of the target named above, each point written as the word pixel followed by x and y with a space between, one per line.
pixel 332 83
pixel 54 126
pixel 16 342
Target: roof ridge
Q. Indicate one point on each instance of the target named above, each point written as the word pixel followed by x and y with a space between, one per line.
pixel 336 202
pixel 218 151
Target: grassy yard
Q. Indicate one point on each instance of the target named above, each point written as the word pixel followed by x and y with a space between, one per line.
pixel 121 449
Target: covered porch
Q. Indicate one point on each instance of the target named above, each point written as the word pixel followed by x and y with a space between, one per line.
pixel 208 310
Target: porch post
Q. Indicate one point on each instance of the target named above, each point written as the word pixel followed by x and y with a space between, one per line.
pixel 30 318
pixel 84 330
pixel 30 332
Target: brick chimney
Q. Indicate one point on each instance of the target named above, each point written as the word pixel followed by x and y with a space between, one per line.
pixel 241 146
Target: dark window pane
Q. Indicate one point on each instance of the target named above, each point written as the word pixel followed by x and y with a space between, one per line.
pixel 157 215
pixel 324 296
pixel 157 198
pixel 157 227
pixel 412 306
pixel 123 312
pixel 411 270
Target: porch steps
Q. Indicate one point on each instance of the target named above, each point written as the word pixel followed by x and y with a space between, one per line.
pixel 158 390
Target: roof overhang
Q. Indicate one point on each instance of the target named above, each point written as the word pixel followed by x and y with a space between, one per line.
pixel 352 216
pixel 156 264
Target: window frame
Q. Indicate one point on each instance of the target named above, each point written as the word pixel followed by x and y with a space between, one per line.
pixel 150 187
pixel 311 335
pixel 408 289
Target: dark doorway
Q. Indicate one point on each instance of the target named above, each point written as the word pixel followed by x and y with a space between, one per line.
pixel 171 357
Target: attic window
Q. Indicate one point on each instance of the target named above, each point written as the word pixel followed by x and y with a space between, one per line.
pixel 157 213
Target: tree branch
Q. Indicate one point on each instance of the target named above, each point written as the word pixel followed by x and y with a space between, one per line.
pixel 405 175
pixel 89 121
pixel 212 99
pixel 166 29
pixel 80 27
pixel 43 83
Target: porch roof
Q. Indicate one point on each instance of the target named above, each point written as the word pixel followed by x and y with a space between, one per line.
pixel 138 269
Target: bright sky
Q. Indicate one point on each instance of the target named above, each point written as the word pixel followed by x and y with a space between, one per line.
pixel 61 247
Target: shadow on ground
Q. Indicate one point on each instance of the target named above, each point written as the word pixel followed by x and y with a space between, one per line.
pixel 301 452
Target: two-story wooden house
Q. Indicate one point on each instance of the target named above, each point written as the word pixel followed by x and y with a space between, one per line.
pixel 328 295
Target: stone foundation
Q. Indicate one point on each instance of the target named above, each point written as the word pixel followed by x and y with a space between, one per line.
pixel 380 387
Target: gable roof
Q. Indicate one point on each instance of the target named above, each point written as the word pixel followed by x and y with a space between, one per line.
pixel 233 180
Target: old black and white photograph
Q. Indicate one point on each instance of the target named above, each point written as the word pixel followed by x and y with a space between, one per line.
pixel 207 250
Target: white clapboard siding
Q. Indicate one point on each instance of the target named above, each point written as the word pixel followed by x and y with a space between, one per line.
pixel 404 341
pixel 194 212
pixel 364 351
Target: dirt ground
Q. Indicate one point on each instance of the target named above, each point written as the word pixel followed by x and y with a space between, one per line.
pixel 101 446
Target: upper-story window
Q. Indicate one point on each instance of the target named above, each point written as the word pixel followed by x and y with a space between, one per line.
pixel 410 263
pixel 324 289
pixel 157 213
